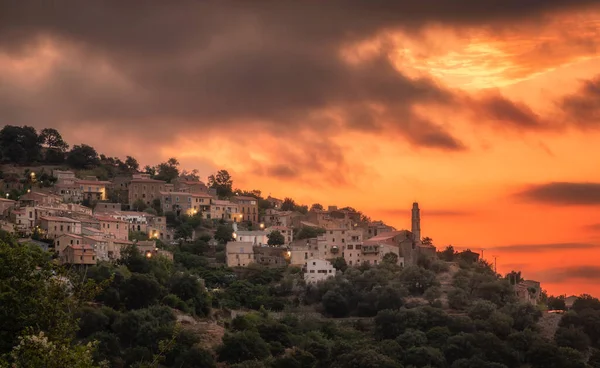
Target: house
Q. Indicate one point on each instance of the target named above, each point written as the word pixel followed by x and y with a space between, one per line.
pixel 190 186
pixel 258 238
pixel 141 187
pixel 79 255
pixel 5 206
pixel 61 175
pixel 569 301
pixel 374 249
pixel 275 202
pixel 55 226
pixel 377 227
pixel 92 189
pixel 99 244
pixel 35 198
pixel 529 291
pixel 103 207
pixel 271 256
pixel 274 217
pixel 187 203
pixel 63 241
pixel 304 249
pixel 223 210
pixel 248 206
pixel 318 270
pixel 69 191
pixel 287 232
pixel 113 227
pixel 239 254
pixel 115 246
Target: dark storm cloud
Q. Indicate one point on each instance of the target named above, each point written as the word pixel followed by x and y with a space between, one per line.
pixel 562 193
pixel 151 71
pixel 583 107
pixel 541 248
pixel 562 274
pixel 509 114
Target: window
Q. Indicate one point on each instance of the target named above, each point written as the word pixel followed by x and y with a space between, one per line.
pixel 249 256
pixel 350 263
pixel 71 241
pixel 343 240
pixel 314 263
pixel 350 246
pixel 375 262
pixel 333 240
pixel 69 228
pixel 331 233
pixel 61 228
pixel 312 271
pixel 329 271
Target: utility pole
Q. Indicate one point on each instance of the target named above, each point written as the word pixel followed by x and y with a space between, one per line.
pixel 482 254
pixel 495 264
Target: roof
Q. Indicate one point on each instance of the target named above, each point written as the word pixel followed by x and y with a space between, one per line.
pixel 93 182
pixel 238 244
pixel 71 235
pixel 81 246
pixel 95 238
pixel 251 232
pixel 92 229
pixel 387 235
pixel 244 198
pixel 122 241
pixel 58 219
pixel 108 219
pixel 150 181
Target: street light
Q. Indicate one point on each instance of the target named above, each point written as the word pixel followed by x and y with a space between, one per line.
pixel 262 226
pixel 7 195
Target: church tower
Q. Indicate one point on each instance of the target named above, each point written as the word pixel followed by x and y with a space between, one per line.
pixel 416 223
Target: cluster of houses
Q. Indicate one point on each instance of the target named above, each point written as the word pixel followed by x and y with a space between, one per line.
pixel 343 234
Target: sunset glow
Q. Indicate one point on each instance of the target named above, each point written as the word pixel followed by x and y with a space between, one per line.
pixel 475 116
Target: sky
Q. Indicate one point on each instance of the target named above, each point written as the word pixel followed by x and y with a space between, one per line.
pixel 485 112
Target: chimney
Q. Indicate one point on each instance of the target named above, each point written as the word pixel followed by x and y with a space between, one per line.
pixel 416 223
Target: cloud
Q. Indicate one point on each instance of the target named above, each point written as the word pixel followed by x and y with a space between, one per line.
pixel 592 227
pixel 582 108
pixel 562 193
pixel 563 274
pixel 208 69
pixel 541 248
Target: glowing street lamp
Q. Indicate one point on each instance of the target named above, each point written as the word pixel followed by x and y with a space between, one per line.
pixel 7 195
pixel 148 254
pixel 234 235
pixel 262 226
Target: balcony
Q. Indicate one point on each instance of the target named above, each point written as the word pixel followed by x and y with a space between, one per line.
pixel 370 249
pixel 335 249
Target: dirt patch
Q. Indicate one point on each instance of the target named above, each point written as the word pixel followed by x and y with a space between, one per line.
pixel 209 332
pixel 548 324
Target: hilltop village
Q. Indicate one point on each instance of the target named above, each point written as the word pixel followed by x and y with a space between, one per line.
pixel 74 218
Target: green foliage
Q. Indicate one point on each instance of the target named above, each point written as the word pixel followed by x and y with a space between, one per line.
pixel 308 232
pixel 222 183
pixel 224 233
pixel 241 346
pixel 83 157
pixel 275 238
pixel 167 171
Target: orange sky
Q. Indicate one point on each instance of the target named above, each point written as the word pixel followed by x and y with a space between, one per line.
pixel 497 112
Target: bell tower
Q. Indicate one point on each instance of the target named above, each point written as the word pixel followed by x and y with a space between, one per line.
pixel 416 223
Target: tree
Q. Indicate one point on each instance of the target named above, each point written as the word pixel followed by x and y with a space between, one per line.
pixel 335 304
pixel 427 241
pixel 139 205
pixel 308 232
pixel 35 304
pixel 288 204
pixel 83 157
pixel 132 164
pixel 140 291
pixel 224 233
pixel 448 254
pixel 572 337
pixel 20 145
pixel 168 171
pixel 276 238
pixel 390 258
pixel 339 263
pixel 222 182
pixel 55 146
pixel 316 206
pixel 241 346
pixel 557 302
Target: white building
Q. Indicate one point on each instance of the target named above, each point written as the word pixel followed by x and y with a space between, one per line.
pixel 257 238
pixel 318 270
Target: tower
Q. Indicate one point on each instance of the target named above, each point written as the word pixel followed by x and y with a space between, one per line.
pixel 416 223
